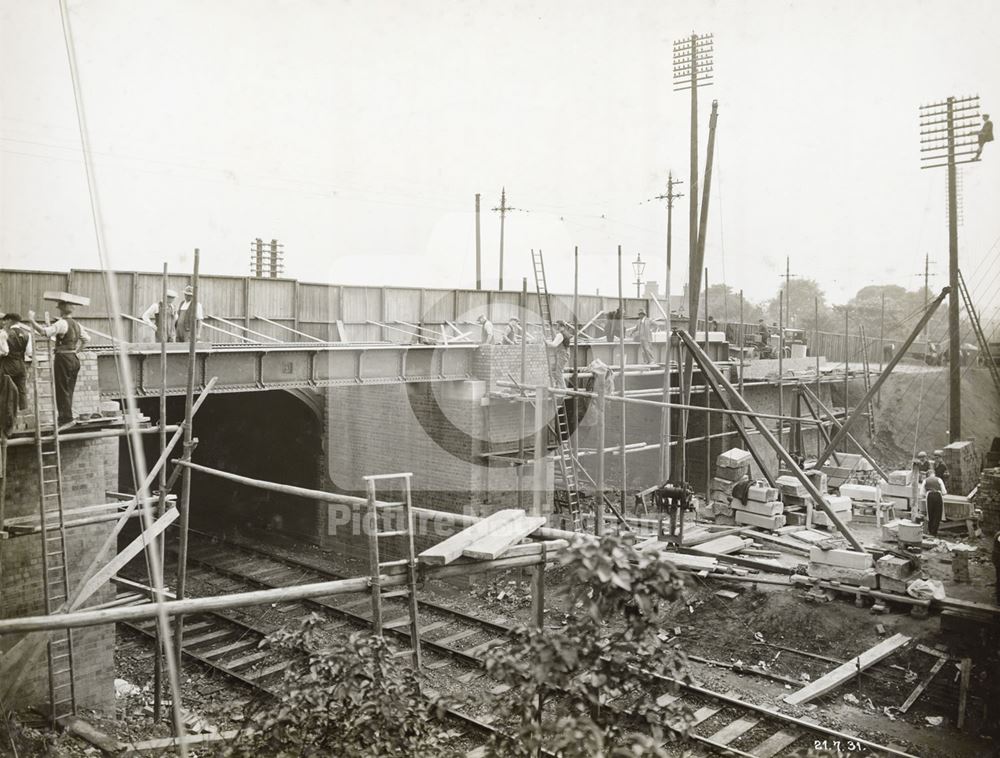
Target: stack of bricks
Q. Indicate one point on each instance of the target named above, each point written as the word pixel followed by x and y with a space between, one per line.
pixel 731 467
pixel 988 499
pixel 763 509
pixel 845 566
pixel 963 467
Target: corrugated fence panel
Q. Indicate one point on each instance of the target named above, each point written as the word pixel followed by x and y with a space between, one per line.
pixel 470 305
pixel 506 305
pixel 318 303
pixel 402 305
pixel 92 284
pixel 21 291
pixel 439 306
pixel 222 296
pixel 273 298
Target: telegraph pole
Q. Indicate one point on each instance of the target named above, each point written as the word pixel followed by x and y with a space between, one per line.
pixel 948 130
pixel 479 250
pixel 693 67
pixel 665 415
pixel 788 276
pixel 503 209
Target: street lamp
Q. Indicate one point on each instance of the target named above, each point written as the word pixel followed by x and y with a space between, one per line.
pixel 638 266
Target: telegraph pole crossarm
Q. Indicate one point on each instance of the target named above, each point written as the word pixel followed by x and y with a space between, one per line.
pixel 959 116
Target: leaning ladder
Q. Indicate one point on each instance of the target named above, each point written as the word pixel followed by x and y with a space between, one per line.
pixel 403 527
pixel 55 577
pixel 868 383
pixel 564 448
pixel 977 327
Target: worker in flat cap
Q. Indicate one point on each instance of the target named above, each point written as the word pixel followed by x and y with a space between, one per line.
pixel 923 465
pixel 940 467
pixel 561 341
pixel 162 317
pixel 15 349
pixel 514 334
pixel 188 325
pixel 70 339
pixel 985 135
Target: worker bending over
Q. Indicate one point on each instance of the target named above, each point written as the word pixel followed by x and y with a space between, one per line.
pixel 70 339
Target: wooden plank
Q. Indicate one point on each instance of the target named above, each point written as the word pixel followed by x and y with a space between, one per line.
pixel 776 743
pixel 787 544
pixel 448 550
pixel 230 648
pixel 135 547
pixel 723 545
pixel 734 730
pixel 848 670
pixel 938 664
pixel 703 714
pixel 457 636
pixel 169 742
pixel 963 690
pixel 495 544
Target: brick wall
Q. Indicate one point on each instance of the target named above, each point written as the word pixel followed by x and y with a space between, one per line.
pixel 988 499
pixel 88 469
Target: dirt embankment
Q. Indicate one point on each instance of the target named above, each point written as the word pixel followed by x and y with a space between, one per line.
pixel 913 412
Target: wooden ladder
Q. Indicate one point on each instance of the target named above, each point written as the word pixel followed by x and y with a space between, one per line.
pixel 564 448
pixel 55 577
pixel 374 525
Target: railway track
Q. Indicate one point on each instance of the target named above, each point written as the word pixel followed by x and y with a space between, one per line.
pixel 721 722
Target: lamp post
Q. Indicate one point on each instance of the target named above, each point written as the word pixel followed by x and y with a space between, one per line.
pixel 639 267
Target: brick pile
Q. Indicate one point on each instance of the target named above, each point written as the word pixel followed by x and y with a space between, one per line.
pixel 963 466
pixel 988 499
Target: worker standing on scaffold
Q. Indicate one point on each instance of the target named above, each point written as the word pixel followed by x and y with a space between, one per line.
pixel 70 339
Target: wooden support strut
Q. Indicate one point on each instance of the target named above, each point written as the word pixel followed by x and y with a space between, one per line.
pixel 708 367
pixel 811 396
pixel 858 411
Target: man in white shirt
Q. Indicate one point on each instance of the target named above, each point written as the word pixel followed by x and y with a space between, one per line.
pixel 486 336
pixel 188 324
pixel 70 339
pixel 152 317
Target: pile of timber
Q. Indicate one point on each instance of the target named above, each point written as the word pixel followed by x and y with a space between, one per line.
pixel 488 539
pixel 763 509
pixel 963 466
pixel 731 467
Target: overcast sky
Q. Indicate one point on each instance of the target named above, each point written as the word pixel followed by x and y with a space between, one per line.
pixel 358 133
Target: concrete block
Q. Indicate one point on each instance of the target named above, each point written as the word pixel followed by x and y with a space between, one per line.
pixel 762 493
pixel 761 509
pixel 789 485
pixel 901 477
pixel 734 458
pixel 861 492
pixel 819 479
pixel 910 533
pixel 821 519
pixel 893 567
pixel 763 522
pixel 724 486
pixel 842 558
pixel 858 577
pixel 731 474
pixel 838 503
pixel 957 507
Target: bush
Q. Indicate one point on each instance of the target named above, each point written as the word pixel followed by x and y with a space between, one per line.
pixel 348 699
pixel 610 644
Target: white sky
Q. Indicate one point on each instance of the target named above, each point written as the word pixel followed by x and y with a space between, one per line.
pixel 357 133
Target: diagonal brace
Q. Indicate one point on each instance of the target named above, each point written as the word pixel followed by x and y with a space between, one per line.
pixel 707 367
pixel 853 417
